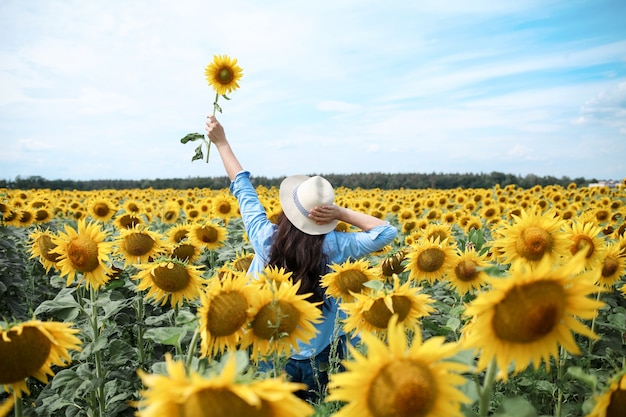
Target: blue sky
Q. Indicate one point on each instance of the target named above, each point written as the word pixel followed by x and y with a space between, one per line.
pixel 105 90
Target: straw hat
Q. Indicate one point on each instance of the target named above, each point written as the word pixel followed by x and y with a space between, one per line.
pixel 299 194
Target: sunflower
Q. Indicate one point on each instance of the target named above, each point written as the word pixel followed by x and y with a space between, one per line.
pixel 612 266
pixel 224 315
pixel 170 278
pixel 225 207
pixel 208 235
pixel 526 316
pixel 223 74
pixel 430 259
pixel 127 221
pixel 393 264
pixel 101 209
pixel 30 349
pixel 371 312
pixel 280 318
pixel 442 231
pixel 400 380
pixel 532 237
pixel 178 233
pixel 611 403
pixel 273 276
pixel 170 213
pixel 42 246
pixel 585 237
pixel 468 273
pixel 184 251
pixel 348 278
pixel 138 245
pixel 83 251
pixel 180 394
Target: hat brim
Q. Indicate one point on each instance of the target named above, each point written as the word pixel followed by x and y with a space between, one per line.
pixel 294 215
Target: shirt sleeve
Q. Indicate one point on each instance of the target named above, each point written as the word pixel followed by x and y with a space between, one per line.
pixel 356 245
pixel 253 213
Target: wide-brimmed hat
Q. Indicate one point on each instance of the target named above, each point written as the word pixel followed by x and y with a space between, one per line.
pixel 299 194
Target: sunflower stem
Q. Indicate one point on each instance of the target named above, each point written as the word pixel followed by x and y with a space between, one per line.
pixel 485 391
pixel 192 349
pixel 560 372
pixel 17 406
pixel 140 312
pixel 593 324
pixel 97 358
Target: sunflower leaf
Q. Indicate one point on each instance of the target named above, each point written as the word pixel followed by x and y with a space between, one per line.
pixel 190 137
pixel 198 154
pixel 224 95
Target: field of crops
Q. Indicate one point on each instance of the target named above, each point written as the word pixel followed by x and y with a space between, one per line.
pixel 502 301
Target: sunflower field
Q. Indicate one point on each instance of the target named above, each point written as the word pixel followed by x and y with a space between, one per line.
pixel 503 302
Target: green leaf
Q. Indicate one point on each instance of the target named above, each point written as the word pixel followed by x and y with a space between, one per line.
pixel 190 137
pixel 516 407
pixel 578 373
pixel 64 307
pixel 374 284
pixel 198 155
pixel 166 335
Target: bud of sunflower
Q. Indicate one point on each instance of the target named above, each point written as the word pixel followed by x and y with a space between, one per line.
pixel 393 264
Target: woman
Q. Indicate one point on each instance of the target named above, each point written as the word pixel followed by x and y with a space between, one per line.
pixel 303 242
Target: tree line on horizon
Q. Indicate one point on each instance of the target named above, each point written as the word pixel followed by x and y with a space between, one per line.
pixel 371 180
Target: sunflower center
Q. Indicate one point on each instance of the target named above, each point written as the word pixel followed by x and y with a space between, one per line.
pixel 466 270
pixel 101 209
pixel 393 264
pixel 227 313
pixel 529 312
pixel 610 266
pixel 128 221
pixel 42 215
pixel 224 207
pixel 533 243
pixel 45 244
pixel 221 402
pixel 171 277
pixel 138 244
pixel 403 388
pixel 618 404
pixel 351 280
pixel 242 264
pixel 378 315
pixel 207 234
pixel 275 319
pixel 225 75
pixel 184 252
pixel 24 355
pixel 170 216
pixel 583 243
pixel 180 235
pixel 83 253
pixel 431 259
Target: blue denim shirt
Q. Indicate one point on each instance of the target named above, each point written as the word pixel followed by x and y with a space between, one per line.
pixel 338 246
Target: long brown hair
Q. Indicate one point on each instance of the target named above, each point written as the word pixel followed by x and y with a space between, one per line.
pixel 302 255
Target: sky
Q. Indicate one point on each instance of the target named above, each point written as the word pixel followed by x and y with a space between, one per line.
pixel 106 89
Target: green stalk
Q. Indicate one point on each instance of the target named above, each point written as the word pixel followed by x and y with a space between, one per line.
pixel 192 349
pixel 17 406
pixel 560 372
pixel 208 142
pixel 593 324
pixel 140 312
pixel 97 358
pixel 485 391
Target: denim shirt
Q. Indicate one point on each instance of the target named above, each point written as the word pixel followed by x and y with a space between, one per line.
pixel 338 246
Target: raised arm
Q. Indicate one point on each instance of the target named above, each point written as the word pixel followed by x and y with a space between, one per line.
pixel 325 214
pixel 215 132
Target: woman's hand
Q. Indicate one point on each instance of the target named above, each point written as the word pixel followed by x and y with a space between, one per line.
pixel 215 131
pixel 325 214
